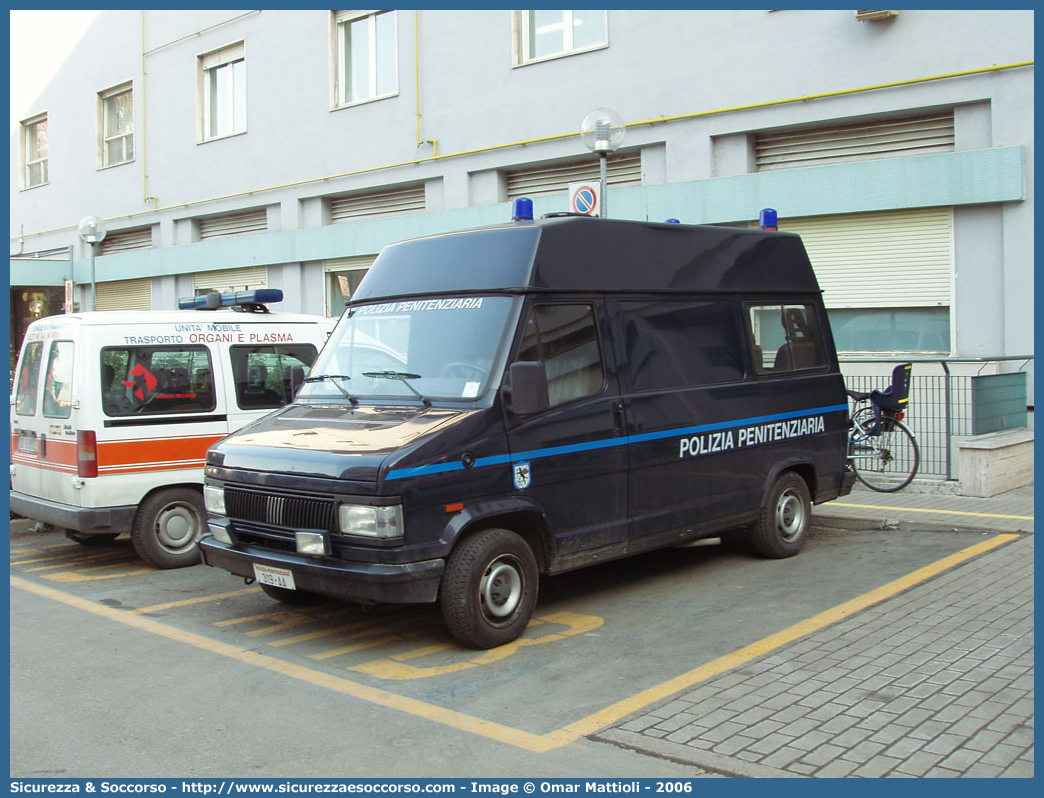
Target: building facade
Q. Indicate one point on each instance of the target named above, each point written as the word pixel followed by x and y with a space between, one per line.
pixel 285 148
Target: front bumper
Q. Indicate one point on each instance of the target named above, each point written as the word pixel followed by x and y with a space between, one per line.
pixel 398 583
pixel 80 519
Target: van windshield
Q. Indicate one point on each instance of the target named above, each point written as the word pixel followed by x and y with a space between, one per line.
pixel 446 348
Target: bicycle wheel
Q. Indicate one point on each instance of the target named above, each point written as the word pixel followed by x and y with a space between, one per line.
pixel 886 462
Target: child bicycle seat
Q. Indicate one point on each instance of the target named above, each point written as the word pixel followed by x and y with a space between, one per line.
pixel 895 395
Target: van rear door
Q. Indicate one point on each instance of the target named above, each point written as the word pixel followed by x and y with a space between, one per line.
pixel 43 424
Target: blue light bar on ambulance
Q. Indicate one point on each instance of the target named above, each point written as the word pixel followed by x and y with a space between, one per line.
pixel 214 300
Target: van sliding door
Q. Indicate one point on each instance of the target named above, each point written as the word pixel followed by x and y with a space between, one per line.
pixel 681 375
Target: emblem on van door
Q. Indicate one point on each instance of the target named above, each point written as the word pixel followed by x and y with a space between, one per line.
pixel 523 475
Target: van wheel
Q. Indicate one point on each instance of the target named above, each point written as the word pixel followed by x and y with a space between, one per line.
pixel 166 527
pixel 290 596
pixel 782 526
pixel 489 588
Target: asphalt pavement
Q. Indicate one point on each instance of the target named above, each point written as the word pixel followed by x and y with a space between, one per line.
pixel 930 678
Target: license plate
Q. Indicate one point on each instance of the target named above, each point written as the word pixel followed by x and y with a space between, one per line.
pixel 276 577
pixel 27 444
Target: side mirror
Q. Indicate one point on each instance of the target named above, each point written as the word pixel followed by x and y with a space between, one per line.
pixel 527 391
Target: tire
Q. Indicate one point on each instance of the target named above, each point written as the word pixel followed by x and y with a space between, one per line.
pixel 297 597
pixel 782 526
pixel 166 527
pixel 489 588
pixel 886 462
pixel 98 539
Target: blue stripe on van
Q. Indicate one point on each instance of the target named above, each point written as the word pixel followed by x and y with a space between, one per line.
pixel 606 443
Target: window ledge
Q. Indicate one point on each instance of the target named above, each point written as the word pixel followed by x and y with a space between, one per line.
pixel 356 103
pixel 223 137
pixel 114 165
pixel 556 56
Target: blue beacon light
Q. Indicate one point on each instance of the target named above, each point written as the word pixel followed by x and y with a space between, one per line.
pixel 522 210
pixel 767 220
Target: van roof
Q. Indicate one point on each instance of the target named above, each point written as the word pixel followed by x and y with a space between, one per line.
pixel 580 253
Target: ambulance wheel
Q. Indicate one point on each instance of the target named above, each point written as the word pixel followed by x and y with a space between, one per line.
pixel 782 526
pixel 91 540
pixel 166 527
pixel 290 596
pixel 489 588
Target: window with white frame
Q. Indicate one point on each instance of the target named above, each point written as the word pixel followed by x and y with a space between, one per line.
pixel 222 77
pixel 116 107
pixel 366 47
pixel 34 152
pixel 550 34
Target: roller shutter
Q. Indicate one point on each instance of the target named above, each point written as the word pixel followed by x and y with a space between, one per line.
pixel 888 138
pixel 891 259
pixel 393 202
pixel 621 170
pixel 231 279
pixel 125 295
pixel 233 224
pixel 349 264
pixel 127 241
pixel 343 276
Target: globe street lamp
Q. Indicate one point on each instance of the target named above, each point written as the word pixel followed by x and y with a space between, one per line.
pixel 602 131
pixel 92 231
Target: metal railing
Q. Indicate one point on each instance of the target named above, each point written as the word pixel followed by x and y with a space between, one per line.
pixel 940 406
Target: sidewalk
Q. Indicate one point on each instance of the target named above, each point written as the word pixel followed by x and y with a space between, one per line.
pixel 866 509
pixel 937 681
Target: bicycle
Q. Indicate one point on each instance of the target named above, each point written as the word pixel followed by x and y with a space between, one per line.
pixel 882 450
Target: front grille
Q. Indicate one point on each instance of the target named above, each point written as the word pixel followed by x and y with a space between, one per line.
pixel 281 510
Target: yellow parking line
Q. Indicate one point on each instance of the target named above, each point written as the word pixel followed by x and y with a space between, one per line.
pixel 540 743
pixel 458 720
pixel 928 510
pixel 194 600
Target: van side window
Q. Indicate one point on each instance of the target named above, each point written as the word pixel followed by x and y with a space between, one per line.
pixel 670 344
pixel 28 379
pixel 785 338
pixel 156 379
pixel 269 376
pixel 565 339
pixel 57 399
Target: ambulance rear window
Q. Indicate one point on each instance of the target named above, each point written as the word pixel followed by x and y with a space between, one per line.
pixel 146 380
pixel 28 379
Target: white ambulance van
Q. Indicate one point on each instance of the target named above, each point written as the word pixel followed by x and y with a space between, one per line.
pixel 112 412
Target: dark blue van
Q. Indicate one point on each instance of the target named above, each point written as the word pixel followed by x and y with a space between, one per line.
pixel 532 398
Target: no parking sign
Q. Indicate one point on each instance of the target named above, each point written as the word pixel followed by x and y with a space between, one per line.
pixel 585 198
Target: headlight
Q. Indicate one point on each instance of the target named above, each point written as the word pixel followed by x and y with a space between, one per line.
pixel 214 498
pixel 371 522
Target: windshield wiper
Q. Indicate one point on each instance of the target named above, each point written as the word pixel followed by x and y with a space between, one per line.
pixel 401 376
pixel 321 377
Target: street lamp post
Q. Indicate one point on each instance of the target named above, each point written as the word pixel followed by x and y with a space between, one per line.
pixel 602 131
pixel 92 232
